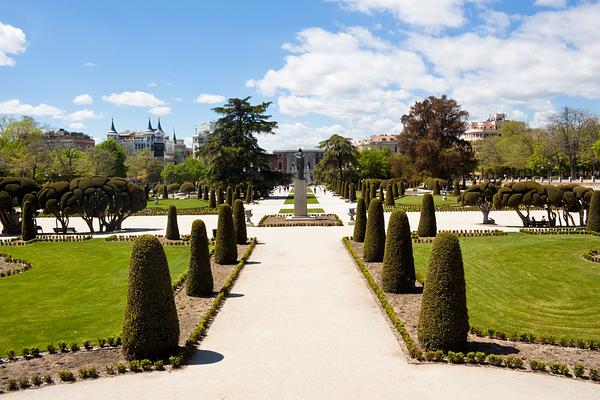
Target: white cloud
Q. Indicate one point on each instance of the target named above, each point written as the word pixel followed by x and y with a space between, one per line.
pixel 177 99
pixel 134 99
pixel 76 125
pixel 551 3
pixel 162 110
pixel 83 115
pixel 83 99
pixel 291 135
pixel 152 84
pixel 12 41
pixel 206 98
pixel 89 64
pixel 15 107
pixel 424 13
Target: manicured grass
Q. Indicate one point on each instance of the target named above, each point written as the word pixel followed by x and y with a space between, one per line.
pixel 417 200
pixel 74 292
pixel 310 199
pixel 309 211
pixel 179 203
pixel 526 283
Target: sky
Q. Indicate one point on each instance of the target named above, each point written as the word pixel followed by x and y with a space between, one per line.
pixel 351 67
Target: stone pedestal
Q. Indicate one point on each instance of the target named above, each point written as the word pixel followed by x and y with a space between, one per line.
pixel 300 209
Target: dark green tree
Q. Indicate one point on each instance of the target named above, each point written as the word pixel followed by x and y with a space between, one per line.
pixel 389 195
pixel 352 193
pixel 199 281
pixel 13 191
pixel 372 193
pixel 360 226
pixel 401 188
pixel 205 194
pixel 381 195
pixel 398 262
pixel 249 194
pixel 339 160
pixel 150 326
pixel 456 188
pixel 427 222
pixel 593 222
pixel 239 222
pixel 118 151
pixel 165 192
pixel 481 195
pixel 220 196
pixel 375 235
pixel 225 247
pixel 28 231
pixel 187 188
pixel 172 227
pixel 444 318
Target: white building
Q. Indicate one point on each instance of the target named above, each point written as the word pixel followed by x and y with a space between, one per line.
pixel 151 139
pixel 379 142
pixel 201 136
pixel 482 130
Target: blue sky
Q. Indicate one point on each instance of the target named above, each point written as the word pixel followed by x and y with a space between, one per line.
pixel 341 66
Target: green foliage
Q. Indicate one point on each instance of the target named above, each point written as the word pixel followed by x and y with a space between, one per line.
pixel 436 188
pixel 190 169
pixel 187 187
pixel 427 222
pixel 375 235
pixel 352 193
pixel 28 230
pixel 118 152
pixel 173 187
pixel 339 160
pixel 481 195
pixel 165 192
pixel 374 163
pixel 398 262
pixel 381 196
pixel 225 247
pixel 172 226
pixel 13 192
pixel 239 222
pixel 593 222
pixel 151 326
pixel 360 226
pixel 199 278
pixel 389 195
pixel 249 194
pixel 372 194
pixel 205 193
pixel 220 197
pixel 229 197
pixel 443 318
pixel 401 188
pixel 212 202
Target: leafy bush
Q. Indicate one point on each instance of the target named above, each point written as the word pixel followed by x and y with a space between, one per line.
pixel 36 380
pixel 175 361
pixel 594 375
pixel 121 368
pixel 374 246
pixel 50 348
pixel 24 382
pixel 12 385
pixel 398 262
pixel 480 357
pixel 159 365
pixel 495 360
pixel 199 281
pixel 110 370
pixel 10 355
pixel 151 326
pixel 427 222
pixel 13 192
pixel 88 373
pixel 537 365
pixel 212 202
pixel 48 379
pixel 443 318
pixel 134 366
pixel 87 345
pixel 239 222
pixel 34 351
pixel 66 376
pixel 74 347
pixel 470 357
pixel 25 352
pixel 514 362
pixel 225 247
pixel 172 227
pixel 578 370
pixel 456 358
pixel 146 364
pixel 187 188
pixel 361 221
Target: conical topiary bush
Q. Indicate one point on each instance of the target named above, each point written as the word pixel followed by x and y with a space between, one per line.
pixel 436 187
pixel 360 226
pixel 28 231
pixel 225 247
pixel 375 235
pixel 395 189
pixel 205 194
pixel 239 222
pixel 237 193
pixel 427 222
pixel 593 217
pixel 150 326
pixel 401 188
pixel 389 195
pixel 212 201
pixel 229 196
pixel 172 227
pixel 398 262
pixel 165 193
pixel 220 197
pixel 372 194
pixel 199 281
pixel 444 318
pixel 352 193
pixel 381 195
pixel 249 190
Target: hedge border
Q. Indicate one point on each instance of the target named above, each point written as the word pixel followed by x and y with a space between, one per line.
pixel 461 233
pixel 46 238
pixel 528 337
pixel 558 231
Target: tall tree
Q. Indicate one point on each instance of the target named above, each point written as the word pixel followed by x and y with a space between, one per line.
pixel 119 156
pixel 98 161
pixel 143 166
pixel 374 163
pixel 22 147
pixel 339 160
pixel 432 138
pixel 190 170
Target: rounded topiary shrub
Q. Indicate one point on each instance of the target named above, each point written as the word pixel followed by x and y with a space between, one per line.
pixel 229 196
pixel 199 281
pixel 593 221
pixel 398 262
pixel 150 326
pixel 360 226
pixel 172 227
pixel 389 195
pixel 187 188
pixel 239 222
pixel 28 231
pixel 427 223
pixel 443 318
pixel 375 235
pixel 212 201
pixel 225 247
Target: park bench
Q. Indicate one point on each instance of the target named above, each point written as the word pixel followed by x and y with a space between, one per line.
pixel 68 230
pixel 539 224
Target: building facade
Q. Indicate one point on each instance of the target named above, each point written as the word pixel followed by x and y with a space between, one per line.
pixel 201 136
pixel 62 139
pixel 175 150
pixel 482 130
pixel 134 141
pixel 379 142
pixel 285 161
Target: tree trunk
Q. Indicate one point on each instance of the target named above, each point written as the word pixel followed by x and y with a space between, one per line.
pixel 524 218
pixel 10 223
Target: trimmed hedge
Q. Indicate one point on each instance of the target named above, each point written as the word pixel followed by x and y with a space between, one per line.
pixel 375 235
pixel 427 223
pixel 199 280
pixel 150 326
pixel 360 226
pixel 225 247
pixel 165 192
pixel 212 202
pixel 229 196
pixel 398 262
pixel 443 318
pixel 172 227
pixel 352 194
pixel 249 194
pixel 239 222
pixel 28 231
pixel 389 195
pixel 593 222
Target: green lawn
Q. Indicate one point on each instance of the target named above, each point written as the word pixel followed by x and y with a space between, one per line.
pixel 179 203
pixel 310 199
pixel 74 292
pixel 527 283
pixel 417 200
pixel 309 210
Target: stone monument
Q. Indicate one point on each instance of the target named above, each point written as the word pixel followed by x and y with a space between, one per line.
pixel 300 187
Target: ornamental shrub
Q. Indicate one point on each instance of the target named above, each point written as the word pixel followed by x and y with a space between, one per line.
pixel 436 187
pixel 381 195
pixel 229 196
pixel 220 198
pixel 401 188
pixel 352 193
pixel 427 224
pixel 389 195
pixel 28 231
pixel 398 262
pixel 205 193
pixel 212 202
pixel 225 247
pixel 249 191
pixel 237 193
pixel 443 318
pixel 187 188
pixel 375 234
pixel 165 192
pixel 239 222
pixel 456 189
pixel 361 221
pixel 150 326
pixel 395 190
pixel 593 221
pixel 172 227
pixel 173 187
pixel 199 281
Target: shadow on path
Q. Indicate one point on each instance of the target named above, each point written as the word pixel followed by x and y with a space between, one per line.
pixel 204 357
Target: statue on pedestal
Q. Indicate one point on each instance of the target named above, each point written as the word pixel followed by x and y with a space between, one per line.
pixel 300 164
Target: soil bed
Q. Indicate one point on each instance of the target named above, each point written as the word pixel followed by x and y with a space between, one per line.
pixel 8 268
pixel 282 220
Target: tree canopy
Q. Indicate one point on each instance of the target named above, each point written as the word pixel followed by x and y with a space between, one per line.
pixel 340 159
